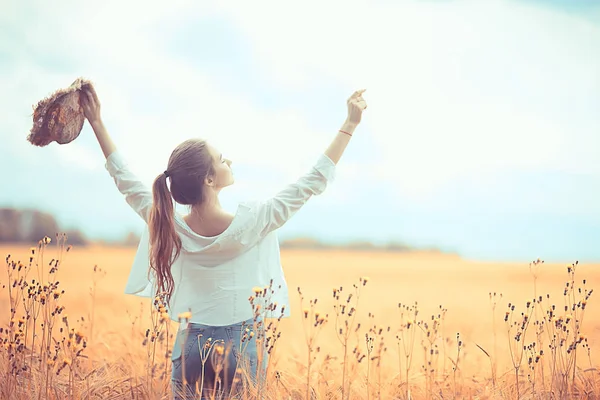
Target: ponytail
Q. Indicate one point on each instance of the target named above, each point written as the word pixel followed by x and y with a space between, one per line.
pixel 165 244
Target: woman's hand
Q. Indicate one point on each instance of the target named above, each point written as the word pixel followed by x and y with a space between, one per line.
pixel 91 110
pixel 90 104
pixel 356 105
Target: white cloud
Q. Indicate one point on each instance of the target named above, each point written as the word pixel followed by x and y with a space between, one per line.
pixel 115 46
pixel 455 89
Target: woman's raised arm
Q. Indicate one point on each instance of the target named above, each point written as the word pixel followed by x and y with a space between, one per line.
pixel 276 211
pixel 137 195
pixel 91 110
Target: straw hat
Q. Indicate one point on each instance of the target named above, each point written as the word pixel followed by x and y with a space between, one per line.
pixel 59 117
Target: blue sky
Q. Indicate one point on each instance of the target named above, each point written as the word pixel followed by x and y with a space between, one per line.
pixel 482 134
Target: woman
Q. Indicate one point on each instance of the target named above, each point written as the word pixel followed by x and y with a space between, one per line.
pixel 207 263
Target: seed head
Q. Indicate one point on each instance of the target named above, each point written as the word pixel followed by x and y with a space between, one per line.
pixel 185 316
pixel 164 316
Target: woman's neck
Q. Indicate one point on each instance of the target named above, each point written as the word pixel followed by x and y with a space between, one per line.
pixel 208 219
pixel 209 208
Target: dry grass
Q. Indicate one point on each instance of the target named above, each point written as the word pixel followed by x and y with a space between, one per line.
pixel 420 326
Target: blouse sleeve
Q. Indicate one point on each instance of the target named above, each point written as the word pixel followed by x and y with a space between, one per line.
pixel 276 211
pixel 137 194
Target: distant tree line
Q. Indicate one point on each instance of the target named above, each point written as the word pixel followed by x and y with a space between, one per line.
pixel 29 226
pixel 314 244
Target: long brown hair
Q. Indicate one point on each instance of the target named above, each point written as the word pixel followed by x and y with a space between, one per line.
pixel 190 163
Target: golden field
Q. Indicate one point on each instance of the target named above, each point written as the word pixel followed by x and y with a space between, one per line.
pixel 453 296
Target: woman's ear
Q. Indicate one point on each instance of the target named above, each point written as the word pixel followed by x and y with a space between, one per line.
pixel 209 181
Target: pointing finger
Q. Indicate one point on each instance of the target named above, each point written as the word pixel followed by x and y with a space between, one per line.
pixel 356 94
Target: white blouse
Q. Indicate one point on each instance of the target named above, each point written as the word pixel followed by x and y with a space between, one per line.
pixel 215 276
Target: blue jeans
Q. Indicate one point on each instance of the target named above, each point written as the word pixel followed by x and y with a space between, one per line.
pixel 217 360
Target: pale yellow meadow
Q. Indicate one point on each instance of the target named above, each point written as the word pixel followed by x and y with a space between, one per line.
pixel 453 296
